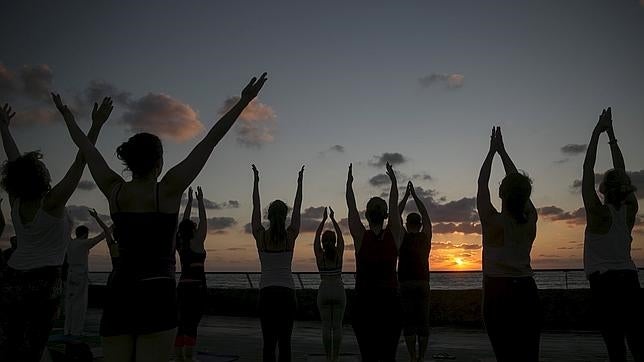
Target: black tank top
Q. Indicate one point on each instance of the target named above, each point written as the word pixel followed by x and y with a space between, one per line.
pixel 376 261
pixel 192 265
pixel 146 242
pixel 413 263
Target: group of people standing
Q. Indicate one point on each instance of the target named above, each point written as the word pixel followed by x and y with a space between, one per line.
pixel 144 305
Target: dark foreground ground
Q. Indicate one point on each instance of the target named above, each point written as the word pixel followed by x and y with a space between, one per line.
pixel 239 339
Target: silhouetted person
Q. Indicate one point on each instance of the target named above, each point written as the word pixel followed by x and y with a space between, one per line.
pixel 277 302
pixel 3 223
pixel 376 307
pixel 332 299
pixel 112 245
pixel 77 285
pixel 613 277
pixel 413 275
pixel 140 312
pixel 31 289
pixel 191 291
pixel 511 308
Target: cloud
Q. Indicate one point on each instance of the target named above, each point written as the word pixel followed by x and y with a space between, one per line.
pixel 464 228
pixel 637 179
pixel 36 116
pixel 450 245
pixel 7 82
pixel 451 81
pixel 393 158
pixel 379 180
pixel 211 205
pixel 217 224
pixel 440 210
pixel 86 185
pixel 337 148
pixel 573 149
pixel 164 116
pixel 36 81
pixel 422 177
pixel 554 213
pixel 79 215
pixel 256 123
pixel 98 89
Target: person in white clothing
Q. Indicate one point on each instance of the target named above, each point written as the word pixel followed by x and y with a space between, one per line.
pixel 77 276
pixel 277 301
pixel 612 274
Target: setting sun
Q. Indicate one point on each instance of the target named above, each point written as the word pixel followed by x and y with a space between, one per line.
pixel 459 261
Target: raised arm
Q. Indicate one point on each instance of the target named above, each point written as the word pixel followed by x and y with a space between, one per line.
pixel 317 242
pixel 588 193
pixel 188 210
pixel 105 234
pixel 338 235
pixel 395 221
pixel 103 175
pixel 202 227
pixel 181 176
pixel 483 201
pixel 616 153
pixel 294 228
pixel 356 228
pixel 403 202
pixel 256 218
pixel 427 223
pixel 10 147
pixel 508 165
pixel 60 194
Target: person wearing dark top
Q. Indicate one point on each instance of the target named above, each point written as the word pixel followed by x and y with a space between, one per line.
pixel 376 307
pixel 413 275
pixel 140 311
pixel 191 291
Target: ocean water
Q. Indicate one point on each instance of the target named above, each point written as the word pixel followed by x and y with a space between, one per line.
pixel 546 279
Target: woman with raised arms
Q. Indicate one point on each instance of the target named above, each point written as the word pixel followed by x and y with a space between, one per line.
pixel 511 308
pixel 332 299
pixel 140 313
pixel 277 303
pixel 613 277
pixel 376 307
pixel 31 289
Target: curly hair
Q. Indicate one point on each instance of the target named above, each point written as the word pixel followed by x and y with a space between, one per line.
pixel 141 153
pixel 26 177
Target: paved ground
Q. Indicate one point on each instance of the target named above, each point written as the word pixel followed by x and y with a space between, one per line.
pixel 242 337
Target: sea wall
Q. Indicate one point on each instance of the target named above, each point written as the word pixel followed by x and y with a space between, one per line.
pixel 562 308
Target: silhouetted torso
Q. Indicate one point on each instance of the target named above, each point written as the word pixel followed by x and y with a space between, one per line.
pixel 192 266
pixel 414 257
pixel 376 261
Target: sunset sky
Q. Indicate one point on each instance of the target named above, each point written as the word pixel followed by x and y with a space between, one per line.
pixel 416 83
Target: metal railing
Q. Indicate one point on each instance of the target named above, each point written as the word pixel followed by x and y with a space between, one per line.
pixel 453 279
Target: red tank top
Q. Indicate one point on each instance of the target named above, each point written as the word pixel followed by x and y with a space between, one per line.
pixel 414 254
pixel 376 261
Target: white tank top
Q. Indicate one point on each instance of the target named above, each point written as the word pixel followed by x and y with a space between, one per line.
pixel 42 242
pixel 276 269
pixel 512 259
pixel 78 255
pixel 610 251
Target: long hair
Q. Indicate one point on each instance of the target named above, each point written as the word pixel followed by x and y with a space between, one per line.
pixel 515 191
pixel 141 153
pixel 277 211
pixel 185 233
pixel 616 186
pixel 329 245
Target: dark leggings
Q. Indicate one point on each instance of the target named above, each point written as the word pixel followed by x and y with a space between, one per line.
pixel 617 301
pixel 277 306
pixel 512 317
pixel 376 317
pixel 28 303
pixel 190 299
